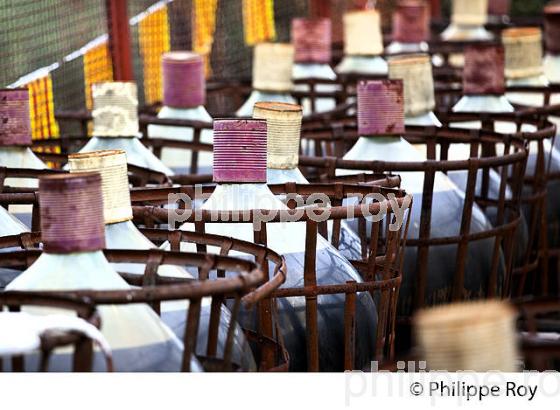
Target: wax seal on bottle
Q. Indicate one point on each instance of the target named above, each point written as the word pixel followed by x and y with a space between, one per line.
pixel 111 165
pixel 523 52
pixel 15 124
pixel 552 28
pixel 184 84
pixel 240 150
pixel 380 108
pixel 312 40
pixel 483 73
pixel 411 22
pixel 416 73
pixel 71 213
pixel 115 109
pixel 283 122
pixel 362 33
pixel 272 67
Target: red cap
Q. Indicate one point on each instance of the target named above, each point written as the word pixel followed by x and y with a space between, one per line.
pixel 552 28
pixel 380 107
pixel 240 150
pixel 71 213
pixel 411 22
pixel 484 70
pixel 15 124
pixel 312 40
pixel 499 7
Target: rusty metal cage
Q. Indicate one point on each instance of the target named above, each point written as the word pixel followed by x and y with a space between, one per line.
pixel 379 268
pixel 436 143
pixel 220 277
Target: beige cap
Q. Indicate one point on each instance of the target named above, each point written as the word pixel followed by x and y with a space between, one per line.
pixel 272 67
pixel 115 109
pixel 111 164
pixel 283 123
pixel 469 12
pixel 418 82
pixel 362 33
pixel 523 51
pixel 477 336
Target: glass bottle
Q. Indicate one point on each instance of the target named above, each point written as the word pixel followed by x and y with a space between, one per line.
pixel 380 125
pixel 121 233
pixel 240 171
pixel 73 237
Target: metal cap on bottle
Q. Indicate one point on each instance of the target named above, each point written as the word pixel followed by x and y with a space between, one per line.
pixel 184 85
pixel 240 151
pixel 272 67
pixel 469 12
pixel 411 22
pixel 477 336
pixel 312 40
pixel 380 107
pixel 362 33
pixel 416 73
pixel 111 164
pixel 71 213
pixel 552 28
pixel 483 73
pixel 523 52
pixel 115 109
pixel 283 122
pixel 15 123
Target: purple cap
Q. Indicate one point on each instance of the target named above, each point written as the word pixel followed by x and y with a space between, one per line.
pixel 15 123
pixel 184 85
pixel 71 213
pixel 240 150
pixel 411 22
pixel 484 71
pixel 380 107
pixel 552 27
pixel 312 40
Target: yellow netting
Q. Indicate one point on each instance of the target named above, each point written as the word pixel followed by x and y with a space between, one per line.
pixel 43 124
pixel 258 21
pixel 154 41
pixel 97 69
pixel 204 18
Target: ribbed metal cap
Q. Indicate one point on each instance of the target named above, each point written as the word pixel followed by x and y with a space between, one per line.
pixel 499 7
pixel 15 123
pixel 483 73
pixel 111 164
pixel 380 107
pixel 362 33
pixel 283 122
pixel 312 40
pixel 115 109
pixel 523 51
pixel 272 67
pixel 411 22
pixel 552 28
pixel 418 82
pixel 239 151
pixel 469 12
pixel 184 85
pixel 71 213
